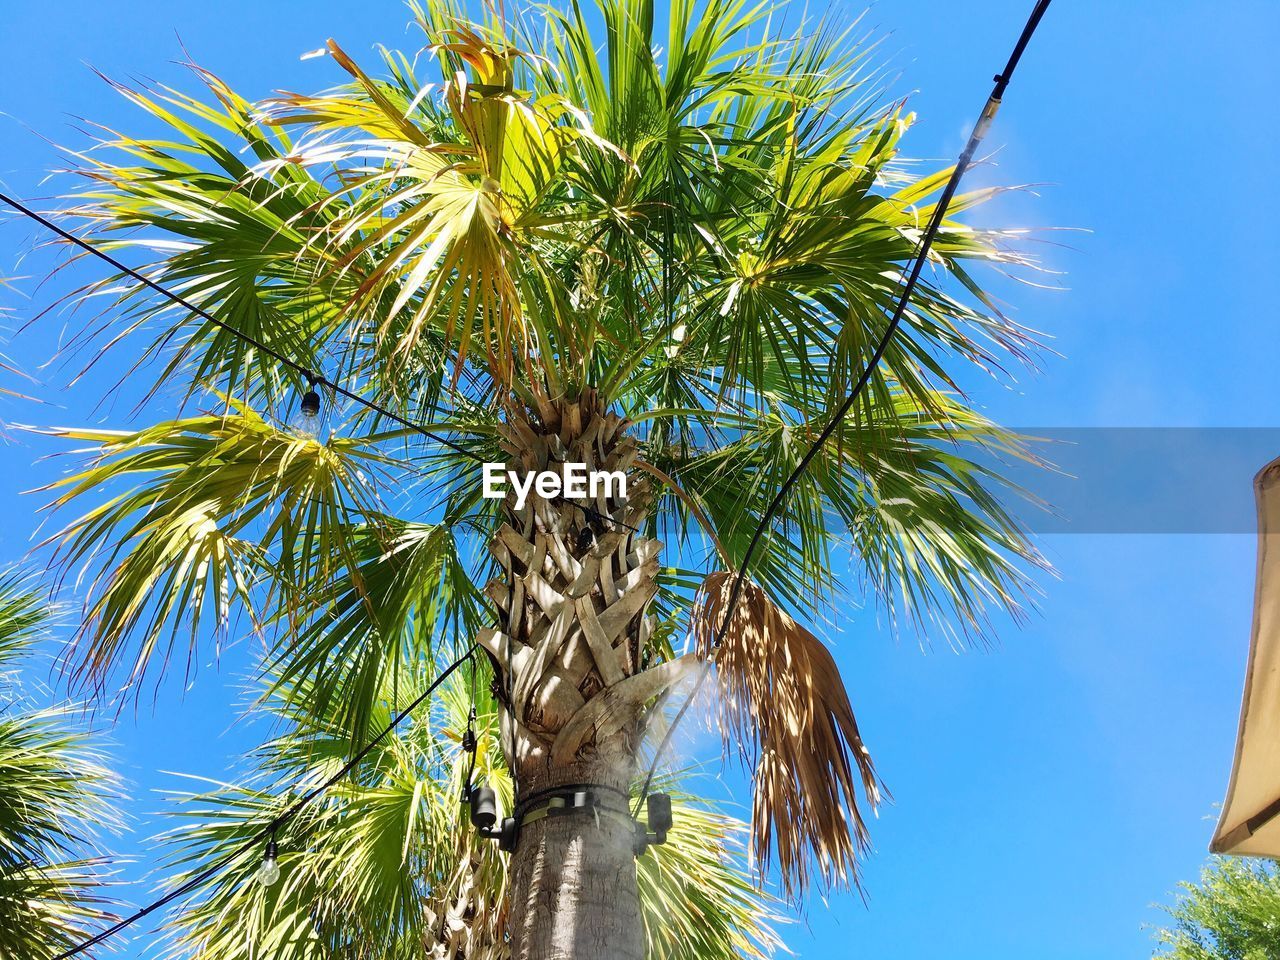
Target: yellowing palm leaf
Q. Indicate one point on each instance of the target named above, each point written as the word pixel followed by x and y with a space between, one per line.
pixel 209 506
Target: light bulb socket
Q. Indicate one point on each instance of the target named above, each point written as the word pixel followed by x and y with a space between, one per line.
pixel 310 405
pixel 484 808
pixel 658 807
pixel 653 834
pixel 269 855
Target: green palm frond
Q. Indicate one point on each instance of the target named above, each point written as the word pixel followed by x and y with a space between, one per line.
pixel 56 800
pixel 917 496
pixel 229 240
pixel 197 511
pixel 698 896
pixel 408 586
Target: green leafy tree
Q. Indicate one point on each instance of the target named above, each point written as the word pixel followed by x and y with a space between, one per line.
pixel 1233 913
pixel 56 799
pixel 660 250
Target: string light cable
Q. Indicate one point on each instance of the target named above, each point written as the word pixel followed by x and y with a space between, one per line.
pixel 311 399
pixel 911 275
pixel 270 871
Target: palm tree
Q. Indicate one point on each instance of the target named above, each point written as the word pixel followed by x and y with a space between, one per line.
pixel 381 869
pixel 55 799
pixel 551 244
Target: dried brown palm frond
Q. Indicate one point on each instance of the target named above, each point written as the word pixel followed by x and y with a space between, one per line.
pixel 786 710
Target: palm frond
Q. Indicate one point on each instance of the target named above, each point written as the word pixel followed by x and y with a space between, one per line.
pixel 57 799
pixel 785 707
pixel 407 588
pixel 197 511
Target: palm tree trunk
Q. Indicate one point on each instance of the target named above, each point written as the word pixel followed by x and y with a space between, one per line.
pixel 573 891
pixel 574 683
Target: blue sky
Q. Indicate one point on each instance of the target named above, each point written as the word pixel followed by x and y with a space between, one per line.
pixel 1047 790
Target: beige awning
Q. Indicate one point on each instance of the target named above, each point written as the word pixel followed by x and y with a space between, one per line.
pixel 1250 821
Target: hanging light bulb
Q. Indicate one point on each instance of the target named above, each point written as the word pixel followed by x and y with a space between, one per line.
pixel 269 872
pixel 309 409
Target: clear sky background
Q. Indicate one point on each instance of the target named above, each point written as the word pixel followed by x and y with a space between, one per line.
pixel 1048 790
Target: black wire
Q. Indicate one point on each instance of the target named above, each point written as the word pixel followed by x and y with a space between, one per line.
pixel 307 372
pixel 470 740
pixel 270 829
pixel 316 379
pixel 922 252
